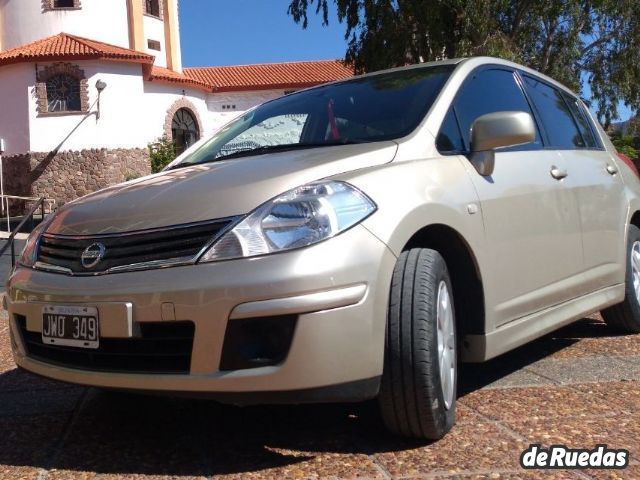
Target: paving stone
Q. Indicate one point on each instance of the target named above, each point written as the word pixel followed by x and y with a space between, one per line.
pixel 123 435
pixel 465 415
pixel 145 477
pixel 606 345
pixel 518 475
pixel 623 396
pixel 17 379
pixel 29 442
pixel 585 369
pixel 468 447
pixel 39 402
pixel 6 356
pixel 314 441
pixel 535 402
pixel 520 378
pixel 635 360
pixel 631 472
pixel 299 465
pixel 54 474
pixel 11 472
pixel 504 371
pixel 617 432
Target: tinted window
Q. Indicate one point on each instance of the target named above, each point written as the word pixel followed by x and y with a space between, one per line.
pixel 450 139
pixel 584 124
pixel 368 109
pixel 490 91
pixel 557 120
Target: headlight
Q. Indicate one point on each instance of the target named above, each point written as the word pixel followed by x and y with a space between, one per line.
pixel 29 253
pixel 298 218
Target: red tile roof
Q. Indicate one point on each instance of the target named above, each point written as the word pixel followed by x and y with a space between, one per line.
pixel 165 75
pixel 69 47
pixel 211 79
pixel 270 75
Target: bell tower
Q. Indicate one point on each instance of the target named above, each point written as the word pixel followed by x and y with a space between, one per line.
pixel 154 29
pixel 148 26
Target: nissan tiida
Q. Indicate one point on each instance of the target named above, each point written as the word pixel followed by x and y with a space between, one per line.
pixel 355 240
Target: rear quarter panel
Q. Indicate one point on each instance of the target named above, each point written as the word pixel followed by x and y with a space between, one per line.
pixel 629 178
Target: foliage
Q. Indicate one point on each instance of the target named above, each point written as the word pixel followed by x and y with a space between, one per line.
pixel 626 144
pixel 570 40
pixel 161 152
pixel 131 176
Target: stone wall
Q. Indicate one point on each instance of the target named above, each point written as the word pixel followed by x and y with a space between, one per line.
pixel 65 176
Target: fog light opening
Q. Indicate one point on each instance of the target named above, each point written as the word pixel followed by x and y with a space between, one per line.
pixel 257 342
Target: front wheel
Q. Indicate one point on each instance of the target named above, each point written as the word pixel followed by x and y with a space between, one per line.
pixel 625 316
pixel 418 390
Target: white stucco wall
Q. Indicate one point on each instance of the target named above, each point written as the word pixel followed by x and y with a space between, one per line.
pixel 24 21
pixel 154 30
pixel 132 112
pixel 159 98
pixel 243 101
pixel 14 106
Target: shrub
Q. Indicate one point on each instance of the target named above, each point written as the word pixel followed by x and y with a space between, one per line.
pixel 625 144
pixel 131 176
pixel 161 152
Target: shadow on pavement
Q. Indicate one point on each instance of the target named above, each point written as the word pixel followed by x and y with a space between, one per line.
pixel 476 376
pixel 118 433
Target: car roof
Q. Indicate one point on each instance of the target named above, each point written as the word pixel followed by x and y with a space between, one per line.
pixel 474 61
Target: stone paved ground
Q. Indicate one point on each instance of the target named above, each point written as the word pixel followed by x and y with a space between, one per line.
pixel 579 386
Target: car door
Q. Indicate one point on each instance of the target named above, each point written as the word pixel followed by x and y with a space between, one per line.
pixel 532 228
pixel 592 176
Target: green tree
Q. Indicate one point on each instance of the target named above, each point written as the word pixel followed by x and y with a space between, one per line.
pixel 569 40
pixel 625 144
pixel 161 152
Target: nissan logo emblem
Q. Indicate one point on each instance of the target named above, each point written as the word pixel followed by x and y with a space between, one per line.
pixel 92 255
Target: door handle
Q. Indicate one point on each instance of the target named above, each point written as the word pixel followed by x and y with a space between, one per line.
pixel 611 169
pixel 557 173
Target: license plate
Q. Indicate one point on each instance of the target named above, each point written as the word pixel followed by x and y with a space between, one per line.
pixel 70 326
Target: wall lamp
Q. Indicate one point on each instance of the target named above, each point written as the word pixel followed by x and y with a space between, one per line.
pixel 100 86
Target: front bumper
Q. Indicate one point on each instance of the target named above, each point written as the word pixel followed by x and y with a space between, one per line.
pixel 338 289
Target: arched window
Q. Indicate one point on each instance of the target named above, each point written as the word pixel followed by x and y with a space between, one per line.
pixel 184 130
pixel 63 93
pixel 152 7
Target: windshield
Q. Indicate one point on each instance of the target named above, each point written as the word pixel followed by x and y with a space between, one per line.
pixel 369 109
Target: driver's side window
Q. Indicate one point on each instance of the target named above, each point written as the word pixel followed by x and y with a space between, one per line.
pixel 486 91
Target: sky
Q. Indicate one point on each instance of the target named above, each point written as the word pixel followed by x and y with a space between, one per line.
pixel 240 32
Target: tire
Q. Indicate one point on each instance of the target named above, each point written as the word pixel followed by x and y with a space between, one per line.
pixel 625 316
pixel 412 396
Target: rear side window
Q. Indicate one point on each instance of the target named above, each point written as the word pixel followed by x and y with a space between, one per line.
pixel 559 124
pixel 584 123
pixel 489 91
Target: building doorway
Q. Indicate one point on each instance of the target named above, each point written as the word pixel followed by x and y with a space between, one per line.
pixel 184 130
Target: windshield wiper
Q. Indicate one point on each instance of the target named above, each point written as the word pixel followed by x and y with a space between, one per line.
pixel 285 147
pixel 282 148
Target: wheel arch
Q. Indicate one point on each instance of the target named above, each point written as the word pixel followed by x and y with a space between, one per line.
pixel 468 290
pixel 635 218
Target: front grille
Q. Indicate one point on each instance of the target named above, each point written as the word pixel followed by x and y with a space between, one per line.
pixel 162 348
pixel 126 249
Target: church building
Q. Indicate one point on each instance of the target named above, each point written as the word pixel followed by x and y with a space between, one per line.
pixel 86 85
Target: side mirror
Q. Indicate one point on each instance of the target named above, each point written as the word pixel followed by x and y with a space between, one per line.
pixel 496 130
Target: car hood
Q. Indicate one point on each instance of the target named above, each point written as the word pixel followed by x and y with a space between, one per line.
pixel 210 191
